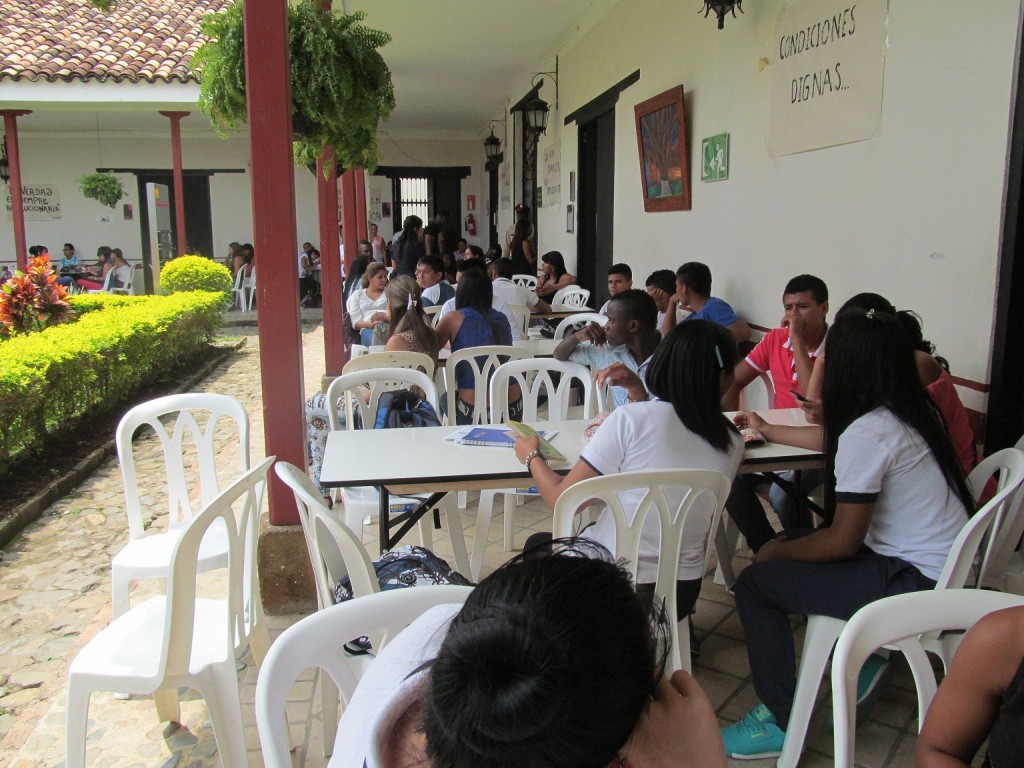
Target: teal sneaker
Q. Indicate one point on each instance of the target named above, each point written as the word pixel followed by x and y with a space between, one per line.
pixel 755 736
pixel 870 676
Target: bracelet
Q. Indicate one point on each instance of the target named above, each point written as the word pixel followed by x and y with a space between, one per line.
pixel 643 399
pixel 531 456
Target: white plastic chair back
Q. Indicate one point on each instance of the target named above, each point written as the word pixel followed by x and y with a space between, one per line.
pixel 349 388
pixel 629 524
pixel 402 359
pixel 527 281
pixel 433 315
pixel 334 551
pixel 316 641
pixel 190 428
pixel 108 283
pixel 1004 566
pixel 519 318
pixel 249 284
pixel 898 621
pixel 536 378
pixel 125 289
pixel 483 361
pixel 580 317
pixel 237 288
pixel 571 296
pixel 759 395
pixel 193 638
pixel 822 631
pixel 358 350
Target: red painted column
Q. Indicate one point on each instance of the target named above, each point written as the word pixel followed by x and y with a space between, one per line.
pixel 179 184
pixel 330 273
pixel 17 202
pixel 273 212
pixel 350 217
pixel 362 221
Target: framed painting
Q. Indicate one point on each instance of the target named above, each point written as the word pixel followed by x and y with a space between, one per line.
pixel 661 142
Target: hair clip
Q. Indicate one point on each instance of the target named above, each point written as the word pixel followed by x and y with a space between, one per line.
pixel 718 354
pixel 411 303
pixel 870 315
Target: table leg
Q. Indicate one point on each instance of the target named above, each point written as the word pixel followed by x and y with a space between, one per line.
pixel 383 518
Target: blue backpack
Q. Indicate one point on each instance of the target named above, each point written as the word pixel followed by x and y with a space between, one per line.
pixel 402 408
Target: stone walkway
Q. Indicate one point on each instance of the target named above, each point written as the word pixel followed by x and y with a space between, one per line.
pixel 55 595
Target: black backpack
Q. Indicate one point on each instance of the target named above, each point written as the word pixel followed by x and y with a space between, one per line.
pixel 402 408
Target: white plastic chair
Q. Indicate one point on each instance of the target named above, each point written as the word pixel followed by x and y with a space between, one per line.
pixel 690 484
pixel 519 317
pixel 249 284
pixel 433 315
pixel 527 281
pixel 108 283
pixel 125 289
pixel 179 639
pixel 483 361
pixel 316 641
pixel 334 552
pixel 822 631
pixel 535 377
pixel 571 296
pixel 362 501
pixel 236 288
pixel 1005 567
pixel 580 317
pixel 191 461
pixel 898 621
pixel 401 359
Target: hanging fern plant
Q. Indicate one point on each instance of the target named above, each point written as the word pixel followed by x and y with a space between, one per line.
pixel 341 86
pixel 105 188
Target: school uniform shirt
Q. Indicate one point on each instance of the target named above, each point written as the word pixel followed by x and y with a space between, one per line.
pixel 647 436
pixel 388 688
pixel 883 461
pixel 598 356
pixel 774 355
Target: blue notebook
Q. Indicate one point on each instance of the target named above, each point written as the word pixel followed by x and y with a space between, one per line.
pixel 499 436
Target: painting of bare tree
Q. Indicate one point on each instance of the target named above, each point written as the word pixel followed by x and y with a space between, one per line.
pixel 661 141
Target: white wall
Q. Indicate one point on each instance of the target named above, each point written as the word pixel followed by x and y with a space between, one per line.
pixel 914 213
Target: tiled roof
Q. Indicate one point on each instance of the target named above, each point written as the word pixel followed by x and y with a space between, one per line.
pixel 72 40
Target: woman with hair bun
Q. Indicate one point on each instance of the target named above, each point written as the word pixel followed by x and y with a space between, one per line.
pixel 551 662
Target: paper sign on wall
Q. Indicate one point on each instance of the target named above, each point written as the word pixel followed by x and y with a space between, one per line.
pixel 827 74
pixel 552 180
pixel 41 202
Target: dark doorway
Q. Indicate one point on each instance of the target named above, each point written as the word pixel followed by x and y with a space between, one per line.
pixel 492 203
pixel 1005 418
pixel 595 204
pixel 198 216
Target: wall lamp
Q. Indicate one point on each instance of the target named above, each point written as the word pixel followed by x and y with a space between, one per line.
pixel 722 7
pixel 536 109
pixel 492 144
pixel 5 165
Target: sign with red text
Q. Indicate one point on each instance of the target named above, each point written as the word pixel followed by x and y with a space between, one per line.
pixel 827 68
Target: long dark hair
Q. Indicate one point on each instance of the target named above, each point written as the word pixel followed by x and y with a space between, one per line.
pixel 871 365
pixel 474 291
pixel 555 259
pixel 409 227
pixel 686 371
pixel 909 319
pixel 523 677
pixel 355 275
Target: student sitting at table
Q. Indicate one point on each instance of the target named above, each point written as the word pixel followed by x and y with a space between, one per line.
pixel 678 425
pixel 629 337
pixel 693 293
pixel 475 323
pixel 69 261
pixel 430 277
pixel 660 286
pixel 407 328
pixel 553 275
pixel 787 355
pixel 896 498
pixel 551 663
pixel 368 306
pixel 497 302
pixel 104 263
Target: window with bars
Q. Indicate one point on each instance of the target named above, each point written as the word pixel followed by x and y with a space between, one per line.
pixel 413 199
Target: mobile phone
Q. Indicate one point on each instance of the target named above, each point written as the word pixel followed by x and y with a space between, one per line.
pixel 798 396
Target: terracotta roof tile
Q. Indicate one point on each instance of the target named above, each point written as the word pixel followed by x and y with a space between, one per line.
pixel 71 40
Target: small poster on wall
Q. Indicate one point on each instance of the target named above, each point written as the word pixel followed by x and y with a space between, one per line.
pixel 570 219
pixel 714 158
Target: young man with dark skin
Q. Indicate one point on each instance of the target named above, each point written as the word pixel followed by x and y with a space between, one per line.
pixel 660 286
pixel 786 354
pixel 693 292
pixel 629 337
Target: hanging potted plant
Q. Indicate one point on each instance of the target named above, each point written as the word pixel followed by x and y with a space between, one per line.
pixel 341 86
pixel 105 188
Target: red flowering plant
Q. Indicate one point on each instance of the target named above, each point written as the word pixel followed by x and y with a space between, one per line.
pixel 33 300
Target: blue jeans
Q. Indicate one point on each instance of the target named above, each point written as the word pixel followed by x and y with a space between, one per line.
pixel 744 506
pixel 366 336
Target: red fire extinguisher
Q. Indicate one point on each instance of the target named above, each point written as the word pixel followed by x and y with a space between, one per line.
pixel 470 224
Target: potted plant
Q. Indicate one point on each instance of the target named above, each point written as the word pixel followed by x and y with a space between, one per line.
pixel 105 188
pixel 341 86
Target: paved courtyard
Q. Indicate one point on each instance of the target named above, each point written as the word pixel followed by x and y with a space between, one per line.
pixel 55 595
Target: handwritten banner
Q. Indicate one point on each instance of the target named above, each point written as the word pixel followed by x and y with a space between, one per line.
pixel 827 74
pixel 40 202
pixel 552 179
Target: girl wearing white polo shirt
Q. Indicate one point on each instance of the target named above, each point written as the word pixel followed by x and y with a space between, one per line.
pixel 898 498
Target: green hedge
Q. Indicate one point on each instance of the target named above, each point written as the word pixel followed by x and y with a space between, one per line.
pixel 50 379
